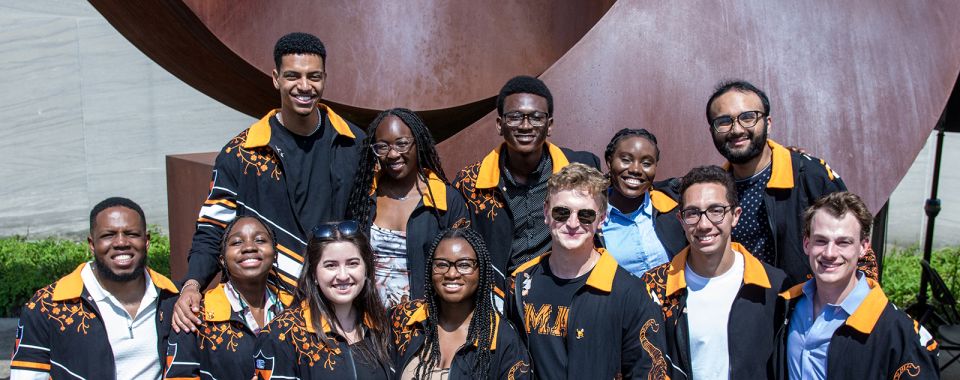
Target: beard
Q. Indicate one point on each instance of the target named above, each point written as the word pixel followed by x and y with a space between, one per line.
pixel 757 142
pixel 104 271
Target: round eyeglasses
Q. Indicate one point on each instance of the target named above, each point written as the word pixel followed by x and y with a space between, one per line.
pixel 747 120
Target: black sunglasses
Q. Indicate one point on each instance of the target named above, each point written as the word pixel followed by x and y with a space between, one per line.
pixel 346 228
pixel 562 213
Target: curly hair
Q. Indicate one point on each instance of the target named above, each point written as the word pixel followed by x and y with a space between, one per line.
pixel 710 174
pixel 577 176
pixel 298 43
pixel 484 313
pixel 524 84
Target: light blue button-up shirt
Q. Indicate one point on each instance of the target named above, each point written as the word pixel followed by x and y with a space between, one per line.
pixel 809 339
pixel 631 239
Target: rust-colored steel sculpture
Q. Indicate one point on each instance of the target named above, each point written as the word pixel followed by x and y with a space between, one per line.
pixel 860 83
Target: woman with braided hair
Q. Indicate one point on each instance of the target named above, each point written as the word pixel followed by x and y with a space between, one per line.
pixel 641 229
pixel 455 332
pixel 401 198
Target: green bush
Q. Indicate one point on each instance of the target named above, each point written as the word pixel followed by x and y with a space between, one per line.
pixel 901 273
pixel 26 266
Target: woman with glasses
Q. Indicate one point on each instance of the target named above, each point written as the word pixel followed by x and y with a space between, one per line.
pixel 402 199
pixel 337 327
pixel 233 312
pixel 455 332
pixel 641 230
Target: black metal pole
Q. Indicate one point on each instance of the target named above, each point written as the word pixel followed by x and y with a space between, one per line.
pixel 931 208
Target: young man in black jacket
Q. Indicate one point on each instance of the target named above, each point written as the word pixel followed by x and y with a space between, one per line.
pixel 506 190
pixel 841 325
pixel 719 302
pixel 582 315
pixel 294 168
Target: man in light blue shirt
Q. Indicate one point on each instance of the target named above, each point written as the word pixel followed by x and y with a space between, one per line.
pixel 631 239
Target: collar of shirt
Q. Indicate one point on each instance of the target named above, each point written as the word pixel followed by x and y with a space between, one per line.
pixel 238 306
pixel 540 174
pixel 851 302
pixel 645 209
pixel 99 294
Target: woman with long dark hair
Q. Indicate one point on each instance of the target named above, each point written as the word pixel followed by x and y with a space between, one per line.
pixel 402 198
pixel 455 332
pixel 337 326
pixel 233 312
pixel 641 229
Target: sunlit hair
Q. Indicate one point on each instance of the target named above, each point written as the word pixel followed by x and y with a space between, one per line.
pixel 367 303
pixel 577 176
pixel 484 314
pixel 837 205
pixel 272 275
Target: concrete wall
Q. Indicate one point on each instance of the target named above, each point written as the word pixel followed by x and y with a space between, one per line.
pixel 86 116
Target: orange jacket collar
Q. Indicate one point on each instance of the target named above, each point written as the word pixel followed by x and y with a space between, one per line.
pixel 753 271
pixel 601 276
pixel 420 315
pixel 437 188
pixel 259 134
pixel 71 285
pixel 865 318
pixel 489 176
pixel 781 176
pixel 305 313
pixel 662 202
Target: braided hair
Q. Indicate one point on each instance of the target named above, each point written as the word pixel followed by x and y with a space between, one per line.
pixel 624 134
pixel 484 313
pixel 359 202
pixel 272 277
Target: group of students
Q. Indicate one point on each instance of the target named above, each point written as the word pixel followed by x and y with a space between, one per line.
pixel 346 253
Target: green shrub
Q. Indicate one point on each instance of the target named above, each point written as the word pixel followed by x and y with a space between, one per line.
pixel 26 266
pixel 901 272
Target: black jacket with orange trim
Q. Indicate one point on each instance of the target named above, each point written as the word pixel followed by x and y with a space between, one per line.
pixel 796 181
pixel 752 323
pixel 878 341
pixel 61 331
pixel 221 348
pixel 508 360
pixel 616 330
pixel 249 178
pixel 425 222
pixel 482 186
pixel 666 223
pixel 290 348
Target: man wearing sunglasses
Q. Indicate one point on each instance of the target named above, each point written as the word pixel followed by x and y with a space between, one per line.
pixel 294 168
pixel 773 183
pixel 580 313
pixel 506 190
pixel 718 300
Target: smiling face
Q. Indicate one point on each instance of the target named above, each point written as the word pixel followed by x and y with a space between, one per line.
pixel 341 273
pixel 739 145
pixel 571 234
pixel 249 252
pixel 833 248
pixel 707 237
pixel 394 132
pixel 525 138
pixel 633 166
pixel 451 286
pixel 300 80
pixel 119 244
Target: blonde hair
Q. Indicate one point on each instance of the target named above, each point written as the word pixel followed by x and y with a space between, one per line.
pixel 577 176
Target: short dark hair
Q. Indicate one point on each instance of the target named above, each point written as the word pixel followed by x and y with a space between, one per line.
pixel 298 43
pixel 710 174
pixel 739 86
pixel 524 84
pixel 625 133
pixel 114 202
pixel 839 204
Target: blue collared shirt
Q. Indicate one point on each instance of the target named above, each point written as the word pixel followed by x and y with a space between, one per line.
pixel 631 239
pixel 809 339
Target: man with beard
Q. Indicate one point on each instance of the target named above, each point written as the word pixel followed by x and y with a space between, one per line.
pixel 774 184
pixel 102 320
pixel 506 190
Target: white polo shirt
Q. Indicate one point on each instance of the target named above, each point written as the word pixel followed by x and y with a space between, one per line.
pixel 133 340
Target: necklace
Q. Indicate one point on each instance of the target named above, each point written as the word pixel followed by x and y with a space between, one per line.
pixel 319 122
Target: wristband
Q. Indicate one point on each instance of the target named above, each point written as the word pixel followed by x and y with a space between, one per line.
pixel 190 282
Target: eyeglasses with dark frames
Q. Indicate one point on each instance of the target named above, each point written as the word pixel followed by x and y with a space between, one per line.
pixel 382 149
pixel 463 266
pixel 515 119
pixel 747 120
pixel 562 213
pixel 346 228
pixel 715 214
